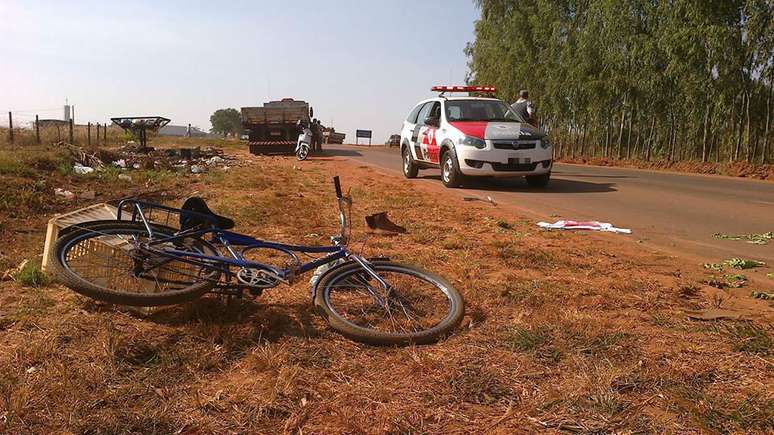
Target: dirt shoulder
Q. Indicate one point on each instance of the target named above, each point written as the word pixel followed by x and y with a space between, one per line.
pixel 564 331
pixel 733 169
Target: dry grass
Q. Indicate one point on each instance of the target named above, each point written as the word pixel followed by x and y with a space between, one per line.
pixel 563 332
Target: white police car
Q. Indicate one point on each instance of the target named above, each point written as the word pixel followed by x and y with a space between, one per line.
pixel 473 136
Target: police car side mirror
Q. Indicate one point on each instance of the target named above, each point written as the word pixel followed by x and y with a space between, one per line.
pixel 432 121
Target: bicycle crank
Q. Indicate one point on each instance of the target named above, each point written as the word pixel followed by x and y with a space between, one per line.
pixel 258 278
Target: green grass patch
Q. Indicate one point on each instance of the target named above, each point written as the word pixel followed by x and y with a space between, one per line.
pixel 755 239
pixel 31 275
pixel 747 337
pixel 15 167
pixel 536 340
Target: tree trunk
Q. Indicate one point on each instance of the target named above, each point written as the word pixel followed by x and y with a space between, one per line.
pixel 704 151
pixel 738 146
pixel 670 134
pixel 607 136
pixel 748 145
pixel 621 130
pixel 649 142
pixel 765 155
pixel 629 135
pixel 637 140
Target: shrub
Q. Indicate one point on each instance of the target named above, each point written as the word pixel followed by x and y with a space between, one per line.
pixel 31 275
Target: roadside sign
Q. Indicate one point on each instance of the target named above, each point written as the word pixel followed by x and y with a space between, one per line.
pixel 366 134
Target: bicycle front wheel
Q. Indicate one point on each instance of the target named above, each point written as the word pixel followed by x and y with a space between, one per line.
pixel 113 262
pixel 407 305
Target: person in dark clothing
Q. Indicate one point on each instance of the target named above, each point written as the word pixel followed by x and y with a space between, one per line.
pixel 316 135
pixel 524 108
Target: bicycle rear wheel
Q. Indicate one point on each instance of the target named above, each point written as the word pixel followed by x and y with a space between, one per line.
pixel 416 307
pixel 112 263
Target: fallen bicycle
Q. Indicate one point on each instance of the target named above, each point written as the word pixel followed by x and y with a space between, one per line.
pixel 140 262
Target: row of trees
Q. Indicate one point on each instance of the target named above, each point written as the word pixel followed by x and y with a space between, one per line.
pixel 648 79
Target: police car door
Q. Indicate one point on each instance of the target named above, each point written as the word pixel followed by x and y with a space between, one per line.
pixel 424 135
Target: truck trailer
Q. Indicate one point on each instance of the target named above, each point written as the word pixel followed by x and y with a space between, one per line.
pixel 273 128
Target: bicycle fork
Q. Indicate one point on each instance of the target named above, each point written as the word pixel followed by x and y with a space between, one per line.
pixel 384 301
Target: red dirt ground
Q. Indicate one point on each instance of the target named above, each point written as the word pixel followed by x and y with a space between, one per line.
pixel 564 332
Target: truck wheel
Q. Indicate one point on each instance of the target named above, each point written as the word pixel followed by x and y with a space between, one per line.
pixel 450 170
pixel 410 168
pixel 538 180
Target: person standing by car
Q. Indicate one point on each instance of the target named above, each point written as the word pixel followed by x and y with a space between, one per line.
pixel 524 108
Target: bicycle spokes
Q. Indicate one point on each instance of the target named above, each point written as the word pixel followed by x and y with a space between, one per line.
pixel 405 304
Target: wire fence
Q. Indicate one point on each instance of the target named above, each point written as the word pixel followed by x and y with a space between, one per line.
pixel 28 127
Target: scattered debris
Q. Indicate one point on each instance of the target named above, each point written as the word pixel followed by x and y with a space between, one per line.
pixel 124 177
pixel 734 263
pixel 87 194
pixel 380 221
pixel 755 239
pixel 713 314
pixel 717 283
pixel 505 225
pixel 488 199
pixel 732 281
pixel 736 281
pixel 770 275
pixel 739 263
pixel 132 157
pixel 583 225
pixel 82 170
pixel 10 274
pixel 763 295
pixel 64 193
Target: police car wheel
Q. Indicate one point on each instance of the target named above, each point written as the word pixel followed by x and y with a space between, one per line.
pixel 538 180
pixel 410 168
pixel 450 170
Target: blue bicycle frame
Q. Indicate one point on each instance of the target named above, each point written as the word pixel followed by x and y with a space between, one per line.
pixel 230 241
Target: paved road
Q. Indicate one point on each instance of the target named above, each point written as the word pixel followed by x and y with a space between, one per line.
pixel 679 212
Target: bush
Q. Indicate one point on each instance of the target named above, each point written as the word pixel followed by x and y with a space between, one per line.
pixel 31 275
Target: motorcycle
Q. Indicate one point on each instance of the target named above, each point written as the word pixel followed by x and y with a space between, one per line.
pixel 304 143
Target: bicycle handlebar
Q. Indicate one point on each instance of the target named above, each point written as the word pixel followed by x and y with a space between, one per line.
pixel 337 184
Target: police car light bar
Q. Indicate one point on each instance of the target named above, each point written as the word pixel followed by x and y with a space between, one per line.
pixel 490 89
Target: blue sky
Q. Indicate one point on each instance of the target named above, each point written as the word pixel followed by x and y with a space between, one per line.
pixel 361 64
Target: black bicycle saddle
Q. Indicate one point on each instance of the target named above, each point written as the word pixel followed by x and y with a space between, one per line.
pixel 202 215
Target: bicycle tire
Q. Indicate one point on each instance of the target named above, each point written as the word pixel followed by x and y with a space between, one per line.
pixel 67 276
pixel 371 336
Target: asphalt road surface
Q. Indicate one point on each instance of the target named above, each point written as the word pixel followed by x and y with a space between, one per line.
pixel 676 212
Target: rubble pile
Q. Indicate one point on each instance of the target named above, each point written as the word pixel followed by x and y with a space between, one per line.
pixel 191 160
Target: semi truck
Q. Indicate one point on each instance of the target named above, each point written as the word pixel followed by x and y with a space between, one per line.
pixel 273 127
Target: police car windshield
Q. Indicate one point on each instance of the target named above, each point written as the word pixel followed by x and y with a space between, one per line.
pixel 479 110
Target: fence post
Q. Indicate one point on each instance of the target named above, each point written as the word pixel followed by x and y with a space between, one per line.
pixel 71 130
pixel 98 133
pixel 37 129
pixel 104 133
pixel 10 127
pixel 88 134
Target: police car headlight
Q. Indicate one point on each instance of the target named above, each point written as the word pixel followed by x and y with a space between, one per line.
pixel 473 142
pixel 545 144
